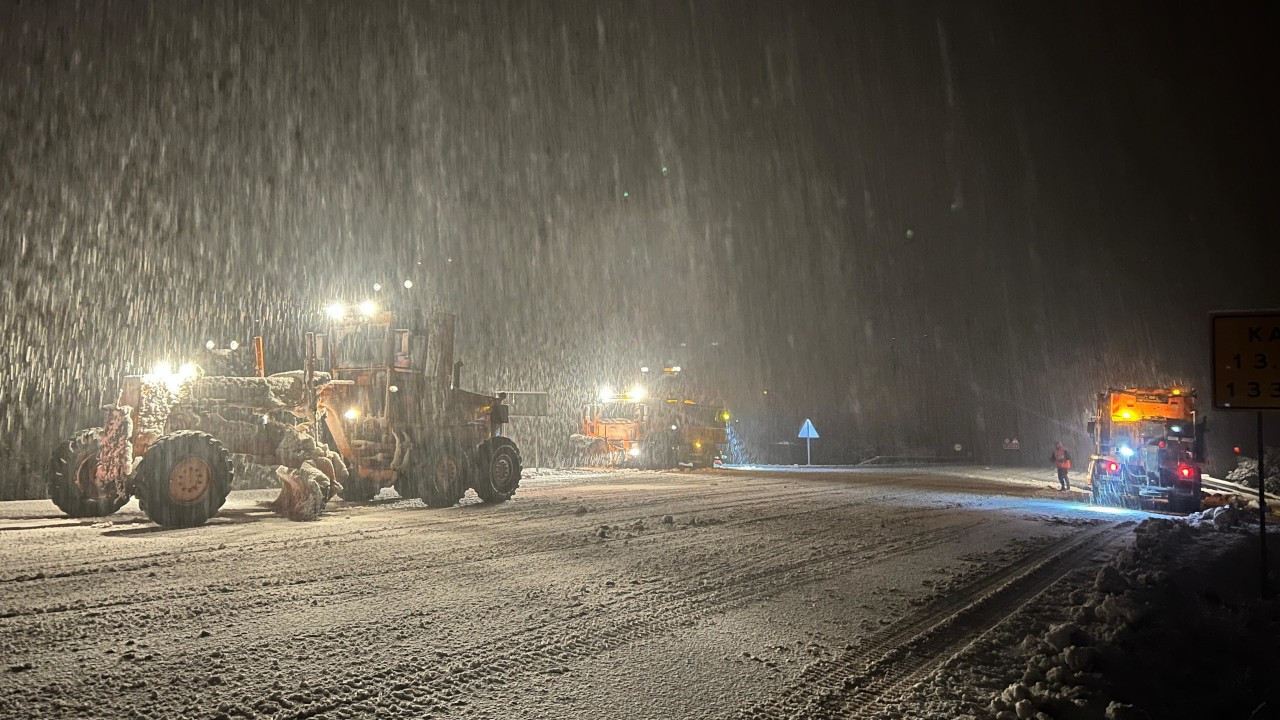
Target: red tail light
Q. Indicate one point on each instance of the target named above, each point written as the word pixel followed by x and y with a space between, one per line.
pixel 1112 467
pixel 1185 471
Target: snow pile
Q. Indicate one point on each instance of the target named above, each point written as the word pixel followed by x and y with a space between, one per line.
pixel 1246 471
pixel 1171 627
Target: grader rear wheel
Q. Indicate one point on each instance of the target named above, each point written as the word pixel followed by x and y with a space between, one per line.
pixel 73 471
pixel 442 476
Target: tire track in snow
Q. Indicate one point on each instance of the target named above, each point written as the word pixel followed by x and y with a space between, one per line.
pixel 860 682
pixel 422 685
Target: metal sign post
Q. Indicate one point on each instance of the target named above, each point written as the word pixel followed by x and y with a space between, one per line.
pixel 808 432
pixel 1246 376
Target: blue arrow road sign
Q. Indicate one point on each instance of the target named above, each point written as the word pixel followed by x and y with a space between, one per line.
pixel 808 432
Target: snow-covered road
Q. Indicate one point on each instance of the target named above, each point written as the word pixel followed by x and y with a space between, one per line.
pixel 738 593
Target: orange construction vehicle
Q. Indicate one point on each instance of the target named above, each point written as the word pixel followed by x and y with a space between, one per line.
pixel 1148 449
pixel 658 429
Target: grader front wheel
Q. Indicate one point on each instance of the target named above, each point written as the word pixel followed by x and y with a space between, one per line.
pixel 498 470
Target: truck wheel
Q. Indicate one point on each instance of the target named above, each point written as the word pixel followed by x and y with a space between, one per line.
pixel 442 477
pixel 184 479
pixel 498 470
pixel 73 474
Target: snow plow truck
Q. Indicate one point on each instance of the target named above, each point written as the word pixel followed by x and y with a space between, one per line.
pixel 1148 449
pixel 374 407
pixel 654 431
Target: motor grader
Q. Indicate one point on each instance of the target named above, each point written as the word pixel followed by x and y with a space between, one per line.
pixel 394 409
pixel 176 440
pixel 373 407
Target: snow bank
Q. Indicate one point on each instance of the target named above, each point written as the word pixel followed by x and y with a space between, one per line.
pixel 1171 627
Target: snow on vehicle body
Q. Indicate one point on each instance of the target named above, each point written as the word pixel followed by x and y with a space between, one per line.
pixel 1147 447
pixel 655 430
pixel 176 440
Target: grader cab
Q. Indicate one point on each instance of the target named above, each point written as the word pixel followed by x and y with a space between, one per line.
pixel 394 409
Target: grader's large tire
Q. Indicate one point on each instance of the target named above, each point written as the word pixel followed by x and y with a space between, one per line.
pixel 184 479
pixel 72 471
pixel 442 474
pixel 498 469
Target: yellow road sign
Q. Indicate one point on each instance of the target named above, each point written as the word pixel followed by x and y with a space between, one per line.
pixel 1246 360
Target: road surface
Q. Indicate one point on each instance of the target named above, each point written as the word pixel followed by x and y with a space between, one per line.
pixel 737 593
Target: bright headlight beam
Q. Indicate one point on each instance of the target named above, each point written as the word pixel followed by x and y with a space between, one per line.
pixel 336 311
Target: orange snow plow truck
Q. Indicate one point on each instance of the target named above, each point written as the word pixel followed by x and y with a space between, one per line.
pixel 1148 449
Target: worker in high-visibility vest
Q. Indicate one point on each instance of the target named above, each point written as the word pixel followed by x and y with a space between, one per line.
pixel 1062 460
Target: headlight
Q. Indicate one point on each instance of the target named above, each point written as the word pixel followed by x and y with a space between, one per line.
pixel 336 311
pixel 634 452
pixel 351 413
pixel 368 308
pixel 1126 451
pixel 637 393
pixel 606 393
pixel 209 345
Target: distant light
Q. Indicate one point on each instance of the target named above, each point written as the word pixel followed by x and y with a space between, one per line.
pixel 408 284
pixel 606 393
pixel 673 427
pixel 634 452
pixel 1236 449
pixel 336 311
pixel 393 388
pixel 697 444
pixel 377 287
pixel 1176 391
pixel 265 419
pixel 1126 451
pixel 675 369
pixel 626 194
pixel 910 233
pixel 725 417
pixel 187 371
pixel 351 414
pixel 766 392
pixel 644 369
pixel 209 345
pixel 636 393
pixel 664 169
pixel 1176 428
pixel 368 308
pixel 233 345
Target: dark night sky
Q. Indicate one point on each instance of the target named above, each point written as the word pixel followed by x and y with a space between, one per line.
pixel 915 222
